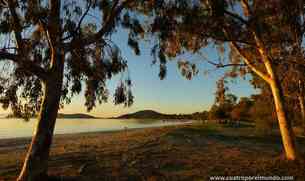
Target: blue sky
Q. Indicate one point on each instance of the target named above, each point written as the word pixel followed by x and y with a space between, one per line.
pixel 174 94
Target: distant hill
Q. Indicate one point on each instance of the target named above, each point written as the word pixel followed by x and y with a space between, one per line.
pixel 145 114
pixel 75 116
pixel 65 116
pixel 150 114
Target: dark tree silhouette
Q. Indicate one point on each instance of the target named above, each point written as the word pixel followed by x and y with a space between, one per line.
pixel 241 111
pixel 50 50
pixel 224 102
pixel 260 112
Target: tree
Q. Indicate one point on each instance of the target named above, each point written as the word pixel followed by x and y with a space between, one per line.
pixel 50 49
pixel 224 102
pixel 241 111
pixel 254 35
pixel 260 112
pixel 292 84
pixel 217 113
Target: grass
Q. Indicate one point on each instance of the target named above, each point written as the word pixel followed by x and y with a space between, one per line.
pixel 192 152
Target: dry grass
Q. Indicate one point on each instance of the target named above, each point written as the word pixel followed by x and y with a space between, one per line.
pixel 192 152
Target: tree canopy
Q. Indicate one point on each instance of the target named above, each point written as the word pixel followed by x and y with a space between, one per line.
pixel 28 35
pixel 250 36
pixel 52 50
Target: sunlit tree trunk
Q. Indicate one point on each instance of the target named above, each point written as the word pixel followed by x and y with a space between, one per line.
pixel 302 107
pixel 36 162
pixel 271 79
pixel 285 124
pixel 35 167
pixel 301 103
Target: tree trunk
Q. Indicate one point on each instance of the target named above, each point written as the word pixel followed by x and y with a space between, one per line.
pixel 36 162
pixel 302 107
pixel 301 102
pixel 285 126
pixel 270 77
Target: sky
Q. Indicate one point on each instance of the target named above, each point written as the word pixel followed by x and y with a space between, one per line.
pixel 172 95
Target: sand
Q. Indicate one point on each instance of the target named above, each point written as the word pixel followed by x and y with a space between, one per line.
pixel 184 152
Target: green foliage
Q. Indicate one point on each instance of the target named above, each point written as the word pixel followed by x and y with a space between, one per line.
pixel 263 113
pixel 258 108
pixel 241 111
pixel 251 37
pixel 123 94
pixel 30 33
pixel 187 69
pixel 218 113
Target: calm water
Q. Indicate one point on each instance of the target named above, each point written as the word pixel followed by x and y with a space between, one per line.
pixel 14 128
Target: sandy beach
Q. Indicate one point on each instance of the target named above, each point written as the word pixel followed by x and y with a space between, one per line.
pixel 184 152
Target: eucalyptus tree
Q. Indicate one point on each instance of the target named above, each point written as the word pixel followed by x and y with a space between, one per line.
pixel 292 82
pixel 253 35
pixel 50 50
pixel 224 102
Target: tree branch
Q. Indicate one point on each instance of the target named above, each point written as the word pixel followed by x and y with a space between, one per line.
pixel 226 39
pixel 83 16
pixel 8 56
pixel 20 59
pixel 262 51
pixel 236 16
pixel 53 26
pixel 28 65
pixel 107 25
pixel 16 24
pixel 47 34
pixel 37 70
pixel 73 34
pixel 261 74
pixel 220 65
pixel 245 4
pixel 264 76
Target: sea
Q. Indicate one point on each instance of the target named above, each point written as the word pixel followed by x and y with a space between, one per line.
pixel 16 128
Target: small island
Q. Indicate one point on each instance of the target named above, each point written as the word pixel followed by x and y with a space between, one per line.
pixel 151 114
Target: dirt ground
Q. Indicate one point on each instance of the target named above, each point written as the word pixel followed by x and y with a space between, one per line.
pixel 188 152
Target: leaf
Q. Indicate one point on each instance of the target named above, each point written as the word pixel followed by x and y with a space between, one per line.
pixel 134 45
pixel 163 71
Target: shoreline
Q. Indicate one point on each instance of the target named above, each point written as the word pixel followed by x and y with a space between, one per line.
pixel 106 131
pixel 10 143
pixel 176 152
